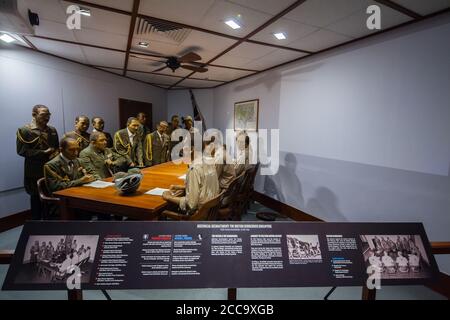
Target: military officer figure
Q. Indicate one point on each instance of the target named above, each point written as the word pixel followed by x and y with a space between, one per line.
pixel 127 143
pixel 80 133
pixel 37 143
pixel 201 185
pixel 143 130
pixel 157 145
pixel 98 124
pixel 65 171
pixel 100 161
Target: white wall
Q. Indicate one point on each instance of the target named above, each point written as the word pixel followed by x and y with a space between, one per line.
pixel 179 103
pixel 365 129
pixel 68 89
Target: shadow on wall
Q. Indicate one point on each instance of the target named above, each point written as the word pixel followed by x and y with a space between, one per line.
pixel 325 205
pixel 286 187
pixel 269 79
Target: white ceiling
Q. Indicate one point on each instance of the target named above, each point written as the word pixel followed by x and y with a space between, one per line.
pixel 312 26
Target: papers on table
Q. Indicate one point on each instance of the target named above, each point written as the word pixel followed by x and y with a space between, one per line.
pixel 183 177
pixel 156 191
pixel 99 184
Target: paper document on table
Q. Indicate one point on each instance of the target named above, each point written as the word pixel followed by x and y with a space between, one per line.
pixel 99 184
pixel 156 191
pixel 183 177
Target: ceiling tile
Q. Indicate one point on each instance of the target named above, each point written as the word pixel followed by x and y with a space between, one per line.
pixel 143 63
pixel 106 58
pixel 100 38
pixel 191 83
pixel 275 58
pixel 232 61
pixel 221 11
pixel 321 13
pixel 147 77
pixel 155 47
pixel 186 11
pixel 207 42
pixel 53 10
pixel 66 50
pixel 251 50
pixel 424 7
pixel 51 29
pixel 106 21
pixel 215 73
pixel 126 5
pixel 116 71
pixel 267 6
pixel 292 30
pixel 319 40
pixel 355 25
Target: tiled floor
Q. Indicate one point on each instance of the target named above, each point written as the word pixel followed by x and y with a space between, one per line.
pixel 9 239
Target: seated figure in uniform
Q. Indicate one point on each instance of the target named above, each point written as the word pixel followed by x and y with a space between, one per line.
pixel 201 184
pixel 100 161
pixel 402 263
pixel 388 263
pixel 64 171
pixel 225 168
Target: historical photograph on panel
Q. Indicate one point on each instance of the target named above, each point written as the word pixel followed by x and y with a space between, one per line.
pixel 396 256
pixel 53 259
pixel 304 248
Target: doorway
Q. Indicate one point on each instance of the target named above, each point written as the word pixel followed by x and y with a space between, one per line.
pixel 130 108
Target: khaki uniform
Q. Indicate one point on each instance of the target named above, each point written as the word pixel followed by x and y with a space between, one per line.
pixel 94 162
pixel 31 144
pixel 242 161
pixel 169 131
pixel 59 175
pixel 82 138
pixel 202 185
pixel 131 152
pixel 225 172
pixel 156 149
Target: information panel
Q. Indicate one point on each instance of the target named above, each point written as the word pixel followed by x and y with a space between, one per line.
pixel 151 255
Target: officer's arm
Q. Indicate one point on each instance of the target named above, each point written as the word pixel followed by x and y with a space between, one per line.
pixel 55 182
pixel 88 164
pixel 26 149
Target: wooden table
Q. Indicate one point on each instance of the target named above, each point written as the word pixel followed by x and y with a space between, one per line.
pixel 109 201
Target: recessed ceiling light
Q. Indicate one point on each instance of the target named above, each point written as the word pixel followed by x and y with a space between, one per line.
pixel 85 11
pixel 280 36
pixel 143 44
pixel 232 24
pixel 7 38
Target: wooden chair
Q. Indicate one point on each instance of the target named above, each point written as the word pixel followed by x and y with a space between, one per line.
pixel 227 204
pixel 47 199
pixel 243 198
pixel 207 212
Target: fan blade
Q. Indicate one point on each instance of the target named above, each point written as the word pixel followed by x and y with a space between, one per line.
pixel 188 57
pixel 159 69
pixel 193 68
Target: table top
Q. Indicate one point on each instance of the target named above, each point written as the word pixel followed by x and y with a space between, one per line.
pixel 160 176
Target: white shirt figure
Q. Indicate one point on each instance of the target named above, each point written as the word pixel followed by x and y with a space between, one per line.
pixel 375 261
pixel 65 265
pixel 414 260
pixel 131 136
pixel 402 262
pixel 387 261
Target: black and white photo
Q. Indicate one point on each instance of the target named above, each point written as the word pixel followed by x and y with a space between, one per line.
pixel 52 259
pixel 396 256
pixel 303 247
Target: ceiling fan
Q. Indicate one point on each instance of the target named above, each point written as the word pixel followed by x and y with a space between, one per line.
pixel 174 63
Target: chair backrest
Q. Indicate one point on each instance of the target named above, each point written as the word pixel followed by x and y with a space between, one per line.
pixel 208 211
pixel 44 194
pixel 232 191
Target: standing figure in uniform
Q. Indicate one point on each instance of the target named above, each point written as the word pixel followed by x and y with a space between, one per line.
pixel 98 125
pixel 37 143
pixel 127 143
pixel 80 134
pixel 157 145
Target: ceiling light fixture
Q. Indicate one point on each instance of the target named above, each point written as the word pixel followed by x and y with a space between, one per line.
pixel 143 44
pixel 85 11
pixel 7 38
pixel 280 36
pixel 232 24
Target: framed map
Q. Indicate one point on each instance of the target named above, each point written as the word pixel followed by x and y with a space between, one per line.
pixel 246 115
